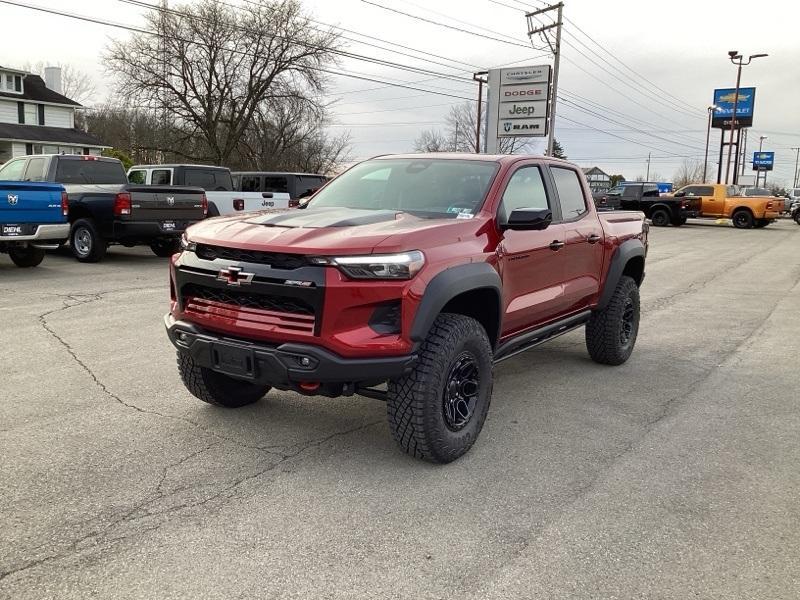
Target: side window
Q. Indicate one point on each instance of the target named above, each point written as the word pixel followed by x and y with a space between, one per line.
pixel 570 192
pixel 198 178
pixel 137 177
pixel 161 177
pixel 12 170
pixel 250 183
pixel 278 185
pixel 35 170
pixel 525 189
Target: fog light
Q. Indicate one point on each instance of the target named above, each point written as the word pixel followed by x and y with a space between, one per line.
pixel 305 361
pixel 182 336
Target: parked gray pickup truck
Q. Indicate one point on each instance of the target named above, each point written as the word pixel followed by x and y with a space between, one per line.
pixel 105 209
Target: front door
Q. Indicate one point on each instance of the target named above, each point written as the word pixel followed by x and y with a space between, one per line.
pixel 530 261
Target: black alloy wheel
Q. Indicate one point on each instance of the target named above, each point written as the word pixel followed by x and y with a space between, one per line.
pixel 660 218
pixel 461 391
pixel 628 321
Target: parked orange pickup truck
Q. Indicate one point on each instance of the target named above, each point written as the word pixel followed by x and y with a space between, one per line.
pixel 726 201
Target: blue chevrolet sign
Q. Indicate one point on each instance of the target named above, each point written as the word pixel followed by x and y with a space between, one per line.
pixel 724 99
pixel 763 161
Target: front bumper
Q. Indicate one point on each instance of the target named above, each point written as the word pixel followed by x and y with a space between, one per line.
pixel 46 235
pixel 288 366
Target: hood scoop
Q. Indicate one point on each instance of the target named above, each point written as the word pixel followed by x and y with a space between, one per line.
pixel 324 217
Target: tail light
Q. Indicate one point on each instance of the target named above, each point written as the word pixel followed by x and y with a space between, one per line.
pixel 238 204
pixel 64 204
pixel 122 204
pixel 769 205
pixel 204 202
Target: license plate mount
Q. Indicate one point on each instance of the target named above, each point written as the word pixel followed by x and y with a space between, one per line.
pixel 11 229
pixel 233 360
pixel 168 225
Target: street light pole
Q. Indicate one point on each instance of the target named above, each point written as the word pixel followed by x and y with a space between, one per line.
pixel 481 79
pixel 711 110
pixel 738 60
pixel 760 147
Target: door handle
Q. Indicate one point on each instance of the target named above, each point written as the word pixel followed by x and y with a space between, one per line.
pixel 593 239
pixel 556 245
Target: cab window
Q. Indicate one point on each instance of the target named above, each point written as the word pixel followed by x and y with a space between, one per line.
pixel 138 177
pixel 525 189
pixel 161 177
pixel 12 170
pixel 570 193
pixel 35 170
pixel 250 183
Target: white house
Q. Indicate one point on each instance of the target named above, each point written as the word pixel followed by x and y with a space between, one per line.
pixel 35 118
pixel 599 180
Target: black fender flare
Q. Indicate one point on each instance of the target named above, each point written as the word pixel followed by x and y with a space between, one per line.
pixel 660 206
pixel 447 285
pixel 625 252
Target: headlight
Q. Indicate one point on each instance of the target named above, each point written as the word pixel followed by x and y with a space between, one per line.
pixel 187 245
pixel 378 266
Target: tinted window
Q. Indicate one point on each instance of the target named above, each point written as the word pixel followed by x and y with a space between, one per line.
pixel 161 177
pixel 570 192
pixel 90 171
pixel 138 177
pixel 250 183
pixel 427 187
pixel 307 185
pixel 278 185
pixel 215 180
pixel 525 189
pixel 35 170
pixel 12 170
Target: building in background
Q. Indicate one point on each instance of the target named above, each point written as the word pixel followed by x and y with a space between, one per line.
pixel 35 118
pixel 599 180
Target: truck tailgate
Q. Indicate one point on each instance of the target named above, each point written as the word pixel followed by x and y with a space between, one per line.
pixel 24 205
pixel 172 206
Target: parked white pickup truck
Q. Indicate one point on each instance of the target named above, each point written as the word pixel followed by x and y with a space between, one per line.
pixel 216 181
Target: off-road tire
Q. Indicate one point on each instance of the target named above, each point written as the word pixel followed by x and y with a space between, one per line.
pixel 26 257
pixel 216 388
pixel 87 245
pixel 660 218
pixel 417 402
pixel 165 248
pixel 678 221
pixel 742 219
pixel 606 339
pixel 796 217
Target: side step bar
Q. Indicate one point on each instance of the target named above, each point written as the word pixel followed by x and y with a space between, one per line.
pixel 531 339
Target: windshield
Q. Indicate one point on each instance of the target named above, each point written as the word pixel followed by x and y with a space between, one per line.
pixel 432 188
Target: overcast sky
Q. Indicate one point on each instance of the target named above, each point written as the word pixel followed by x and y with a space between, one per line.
pixel 679 46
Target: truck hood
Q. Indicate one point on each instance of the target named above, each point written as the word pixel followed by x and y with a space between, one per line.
pixel 330 230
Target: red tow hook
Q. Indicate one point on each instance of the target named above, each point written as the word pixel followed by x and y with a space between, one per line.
pixel 309 386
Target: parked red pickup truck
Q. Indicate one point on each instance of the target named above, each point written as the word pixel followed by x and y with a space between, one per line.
pixel 415 271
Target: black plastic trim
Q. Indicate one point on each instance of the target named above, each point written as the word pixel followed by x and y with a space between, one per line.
pixel 530 339
pixel 625 252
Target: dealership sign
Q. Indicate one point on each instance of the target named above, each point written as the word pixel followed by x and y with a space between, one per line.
pixel 763 161
pixel 518 103
pixel 724 100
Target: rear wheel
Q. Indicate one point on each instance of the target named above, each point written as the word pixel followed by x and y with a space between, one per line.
pixel 611 332
pixel 165 248
pixel 437 411
pixel 743 219
pixel 796 217
pixel 660 217
pixel 86 242
pixel 26 257
pixel 216 388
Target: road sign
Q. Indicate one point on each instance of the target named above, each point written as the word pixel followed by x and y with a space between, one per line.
pixel 763 161
pixel 724 99
pixel 518 103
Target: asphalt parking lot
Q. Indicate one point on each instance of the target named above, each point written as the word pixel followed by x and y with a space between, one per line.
pixel 673 476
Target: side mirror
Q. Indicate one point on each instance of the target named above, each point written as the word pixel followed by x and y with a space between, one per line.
pixel 529 219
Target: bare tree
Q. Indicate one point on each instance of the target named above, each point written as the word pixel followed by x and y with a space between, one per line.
pixel 209 67
pixel 431 140
pixel 75 84
pixel 461 131
pixel 690 171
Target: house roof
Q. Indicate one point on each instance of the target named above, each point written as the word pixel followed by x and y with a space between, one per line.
pixel 594 171
pixel 35 89
pixel 48 135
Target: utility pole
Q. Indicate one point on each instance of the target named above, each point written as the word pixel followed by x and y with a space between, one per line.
pixel 796 180
pixel 758 171
pixel 744 153
pixel 480 77
pixel 455 142
pixel 556 50
pixel 647 177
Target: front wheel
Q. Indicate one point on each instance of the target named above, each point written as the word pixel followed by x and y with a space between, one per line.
pixel 216 388
pixel 437 411
pixel 86 242
pixel 660 217
pixel 611 332
pixel 26 257
pixel 165 248
pixel 743 219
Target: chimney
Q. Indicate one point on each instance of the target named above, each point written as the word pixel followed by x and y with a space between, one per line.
pixel 52 78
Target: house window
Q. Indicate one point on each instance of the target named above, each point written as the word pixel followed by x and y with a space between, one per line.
pixel 21 113
pixel 41 114
pixel 10 83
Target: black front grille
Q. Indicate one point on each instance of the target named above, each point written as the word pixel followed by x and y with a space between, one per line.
pixel 277 260
pixel 273 303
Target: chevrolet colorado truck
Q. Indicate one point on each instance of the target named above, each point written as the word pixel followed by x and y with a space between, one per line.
pixel 104 209
pixel 33 217
pixel 719 200
pixel 223 197
pixel 415 271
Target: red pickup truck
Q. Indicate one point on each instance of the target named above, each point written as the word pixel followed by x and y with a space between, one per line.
pixel 415 271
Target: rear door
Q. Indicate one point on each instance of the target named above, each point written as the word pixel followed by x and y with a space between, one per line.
pixel 173 208
pixel 710 205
